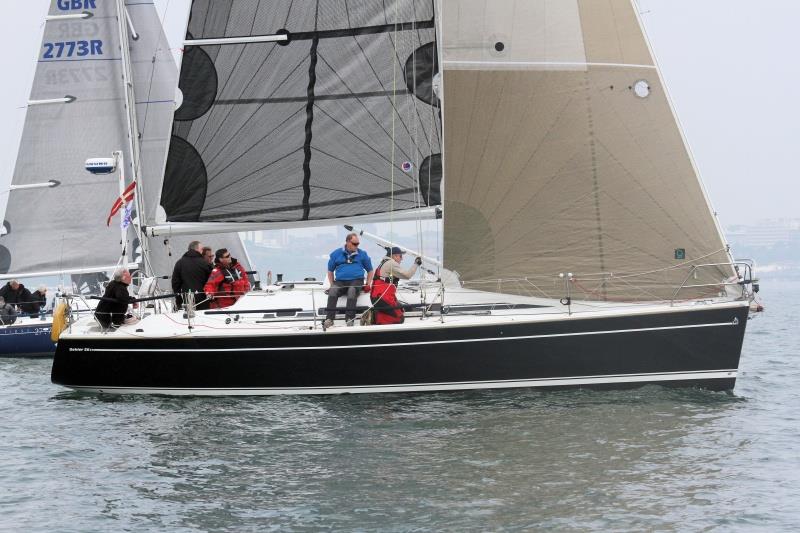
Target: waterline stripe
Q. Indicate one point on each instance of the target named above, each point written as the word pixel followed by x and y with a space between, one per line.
pixel 390 344
pixel 461 385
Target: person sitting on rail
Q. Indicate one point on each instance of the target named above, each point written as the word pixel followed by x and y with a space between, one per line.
pixel 227 282
pixel 346 269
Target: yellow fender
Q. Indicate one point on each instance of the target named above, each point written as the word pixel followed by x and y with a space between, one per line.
pixel 59 321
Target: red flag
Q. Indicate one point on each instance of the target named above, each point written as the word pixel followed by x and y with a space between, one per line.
pixel 127 196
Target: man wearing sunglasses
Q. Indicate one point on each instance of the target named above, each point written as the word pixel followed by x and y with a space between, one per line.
pixel 346 268
pixel 227 282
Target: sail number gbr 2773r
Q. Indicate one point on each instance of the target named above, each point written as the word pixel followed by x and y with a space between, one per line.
pixel 73 49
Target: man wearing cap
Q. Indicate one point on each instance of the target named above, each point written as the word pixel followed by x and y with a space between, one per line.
pixel 391 270
pixel 387 308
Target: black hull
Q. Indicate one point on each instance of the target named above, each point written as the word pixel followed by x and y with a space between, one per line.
pixel 685 348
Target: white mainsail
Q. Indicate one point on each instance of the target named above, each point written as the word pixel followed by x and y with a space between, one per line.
pixel 56 215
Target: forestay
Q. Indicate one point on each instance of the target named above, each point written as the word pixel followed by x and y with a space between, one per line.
pixel 56 215
pixel 338 118
pixel 563 156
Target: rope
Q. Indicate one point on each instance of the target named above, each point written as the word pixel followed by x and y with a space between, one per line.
pixel 394 113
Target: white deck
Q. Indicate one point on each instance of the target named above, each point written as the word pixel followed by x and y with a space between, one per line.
pixel 241 320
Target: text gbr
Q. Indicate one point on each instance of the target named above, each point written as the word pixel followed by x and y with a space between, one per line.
pixel 68 5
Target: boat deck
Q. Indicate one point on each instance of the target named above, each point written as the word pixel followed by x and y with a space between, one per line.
pixel 300 310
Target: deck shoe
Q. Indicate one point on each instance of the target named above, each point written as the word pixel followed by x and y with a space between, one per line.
pixel 328 323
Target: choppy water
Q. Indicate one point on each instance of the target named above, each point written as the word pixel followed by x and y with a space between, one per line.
pixel 646 459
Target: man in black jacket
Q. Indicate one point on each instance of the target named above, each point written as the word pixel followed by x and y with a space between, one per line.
pixel 7 313
pixel 37 301
pixel 113 308
pixel 190 274
pixel 15 293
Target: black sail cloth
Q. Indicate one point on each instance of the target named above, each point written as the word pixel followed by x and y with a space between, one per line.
pixel 324 125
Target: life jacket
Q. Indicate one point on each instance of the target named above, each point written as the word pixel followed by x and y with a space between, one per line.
pixel 384 299
pixel 227 285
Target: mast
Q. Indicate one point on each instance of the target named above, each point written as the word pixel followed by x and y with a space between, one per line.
pixel 124 22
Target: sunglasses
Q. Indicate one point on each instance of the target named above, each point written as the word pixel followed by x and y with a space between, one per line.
pixel 226 256
pixel 355 243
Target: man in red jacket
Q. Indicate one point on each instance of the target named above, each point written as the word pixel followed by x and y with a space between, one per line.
pixel 227 282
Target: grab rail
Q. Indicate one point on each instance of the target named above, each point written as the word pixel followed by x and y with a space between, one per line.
pixel 742 279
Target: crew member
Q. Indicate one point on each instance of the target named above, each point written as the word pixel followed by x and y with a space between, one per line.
pixel 190 275
pixel 208 255
pixel 346 268
pixel 15 293
pixel 388 309
pixel 227 282
pixel 37 301
pixel 113 307
pixel 7 313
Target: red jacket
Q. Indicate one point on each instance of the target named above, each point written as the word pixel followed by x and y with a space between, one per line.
pixel 226 285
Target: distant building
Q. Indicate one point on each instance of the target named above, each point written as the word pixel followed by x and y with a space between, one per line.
pixel 765 233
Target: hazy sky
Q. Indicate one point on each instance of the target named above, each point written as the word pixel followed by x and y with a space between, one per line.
pixel 731 67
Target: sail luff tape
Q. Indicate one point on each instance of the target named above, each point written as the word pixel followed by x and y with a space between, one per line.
pixel 68 99
pixel 84 15
pixel 134 35
pixel 239 40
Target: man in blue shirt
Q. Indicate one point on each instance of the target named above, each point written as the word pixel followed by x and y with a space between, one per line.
pixel 346 268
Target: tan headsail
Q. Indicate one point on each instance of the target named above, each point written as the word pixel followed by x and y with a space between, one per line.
pixel 562 154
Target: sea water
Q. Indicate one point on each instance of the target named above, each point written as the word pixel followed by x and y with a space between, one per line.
pixel 646 459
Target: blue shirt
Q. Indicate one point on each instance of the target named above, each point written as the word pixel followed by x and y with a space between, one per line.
pixel 348 266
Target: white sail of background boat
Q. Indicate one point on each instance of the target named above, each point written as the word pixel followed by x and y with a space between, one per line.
pixel 581 241
pixel 55 222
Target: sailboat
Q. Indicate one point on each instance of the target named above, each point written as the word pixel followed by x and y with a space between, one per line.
pixel 579 245
pixel 56 217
